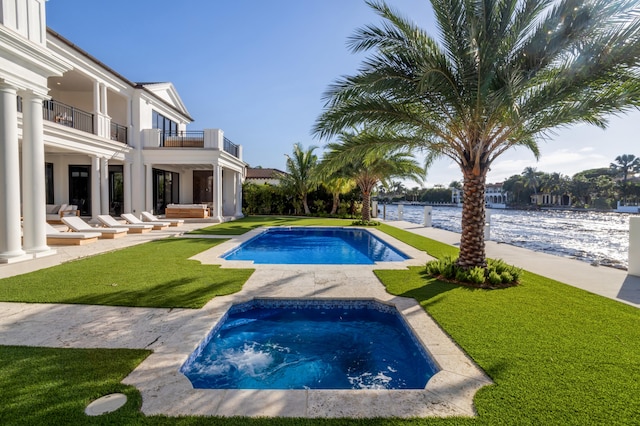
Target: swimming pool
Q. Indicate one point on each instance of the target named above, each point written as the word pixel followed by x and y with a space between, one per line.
pixel 317 246
pixel 310 344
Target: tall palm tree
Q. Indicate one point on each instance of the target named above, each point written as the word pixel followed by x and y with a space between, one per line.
pixel 367 168
pixel 625 164
pixel 501 74
pixel 301 168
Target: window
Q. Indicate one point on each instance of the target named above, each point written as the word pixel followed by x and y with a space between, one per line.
pixel 164 124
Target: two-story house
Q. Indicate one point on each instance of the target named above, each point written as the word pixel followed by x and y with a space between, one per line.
pixel 74 131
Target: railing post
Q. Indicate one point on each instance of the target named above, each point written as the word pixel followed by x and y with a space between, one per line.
pixel 427 216
pixel 634 246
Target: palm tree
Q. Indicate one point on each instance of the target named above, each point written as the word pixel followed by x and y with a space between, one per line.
pixel 625 164
pixel 502 74
pixel 301 168
pixel 337 185
pixel 348 158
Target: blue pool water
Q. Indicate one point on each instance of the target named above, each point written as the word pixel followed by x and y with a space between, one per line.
pixel 317 246
pixel 307 344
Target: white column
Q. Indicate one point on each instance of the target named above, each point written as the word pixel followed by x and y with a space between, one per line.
pixel 126 187
pixel 216 212
pixel 33 182
pixel 634 246
pixel 148 192
pixel 95 187
pixel 10 245
pixel 104 185
pixel 103 100
pixel 239 196
pixel 96 107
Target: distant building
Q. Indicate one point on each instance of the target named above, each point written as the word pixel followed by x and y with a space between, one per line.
pixel 494 196
pixel 260 176
pixel 546 199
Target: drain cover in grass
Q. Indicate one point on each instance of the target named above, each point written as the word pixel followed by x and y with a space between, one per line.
pixel 106 404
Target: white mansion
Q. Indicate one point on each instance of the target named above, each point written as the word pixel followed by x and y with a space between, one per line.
pixel 74 131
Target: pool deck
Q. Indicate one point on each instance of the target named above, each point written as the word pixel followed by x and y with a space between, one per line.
pixel 173 333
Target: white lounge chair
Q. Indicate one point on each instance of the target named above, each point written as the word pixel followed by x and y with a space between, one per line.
pixel 131 219
pixel 148 217
pixel 55 212
pixel 110 222
pixel 57 238
pixel 79 225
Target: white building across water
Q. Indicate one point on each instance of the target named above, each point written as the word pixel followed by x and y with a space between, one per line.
pixel 74 131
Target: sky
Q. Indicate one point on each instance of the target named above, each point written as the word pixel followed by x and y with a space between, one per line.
pixel 257 69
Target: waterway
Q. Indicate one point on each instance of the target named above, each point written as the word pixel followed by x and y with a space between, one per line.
pixel 588 236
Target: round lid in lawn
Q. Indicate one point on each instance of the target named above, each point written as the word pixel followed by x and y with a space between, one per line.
pixel 106 404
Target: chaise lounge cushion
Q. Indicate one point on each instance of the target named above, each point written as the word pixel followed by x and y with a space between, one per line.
pixel 131 219
pixel 110 222
pixel 148 217
pixel 55 237
pixel 79 225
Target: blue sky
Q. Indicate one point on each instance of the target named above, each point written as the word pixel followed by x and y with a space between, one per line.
pixel 258 68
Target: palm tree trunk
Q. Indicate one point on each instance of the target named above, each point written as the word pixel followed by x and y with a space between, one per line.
pixel 336 203
pixel 366 200
pixel 305 205
pixel 472 249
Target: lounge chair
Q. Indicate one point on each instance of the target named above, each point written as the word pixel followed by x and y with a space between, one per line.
pixel 148 217
pixel 131 219
pixel 56 212
pixel 79 225
pixel 57 238
pixel 110 222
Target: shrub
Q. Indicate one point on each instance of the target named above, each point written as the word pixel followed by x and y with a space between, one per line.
pixel 365 223
pixel 496 274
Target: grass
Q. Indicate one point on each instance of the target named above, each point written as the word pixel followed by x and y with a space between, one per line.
pixel 558 356
pixel 154 274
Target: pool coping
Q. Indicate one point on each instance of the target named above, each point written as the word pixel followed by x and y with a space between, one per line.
pixel 212 255
pixel 166 391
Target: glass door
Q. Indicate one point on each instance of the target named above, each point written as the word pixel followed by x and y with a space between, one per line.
pixel 80 188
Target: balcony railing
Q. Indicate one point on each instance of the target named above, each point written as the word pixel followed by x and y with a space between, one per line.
pixel 118 133
pixel 182 139
pixel 67 116
pixel 230 147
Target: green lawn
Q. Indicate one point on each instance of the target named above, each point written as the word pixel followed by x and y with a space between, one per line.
pixel 154 274
pixel 557 354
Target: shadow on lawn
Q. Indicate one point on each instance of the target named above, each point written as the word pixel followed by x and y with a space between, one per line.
pixel 177 293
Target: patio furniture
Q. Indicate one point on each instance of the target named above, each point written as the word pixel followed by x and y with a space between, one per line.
pixel 79 225
pixel 131 219
pixel 110 222
pixel 148 217
pixel 57 238
pixel 199 211
pixel 55 212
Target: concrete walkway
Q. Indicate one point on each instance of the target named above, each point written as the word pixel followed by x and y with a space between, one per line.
pixel 608 282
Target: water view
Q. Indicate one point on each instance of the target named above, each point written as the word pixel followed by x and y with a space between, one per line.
pixel 588 236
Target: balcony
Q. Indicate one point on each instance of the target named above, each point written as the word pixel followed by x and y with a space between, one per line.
pixel 118 133
pixel 190 139
pixel 69 116
pixel 182 139
pixel 230 147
